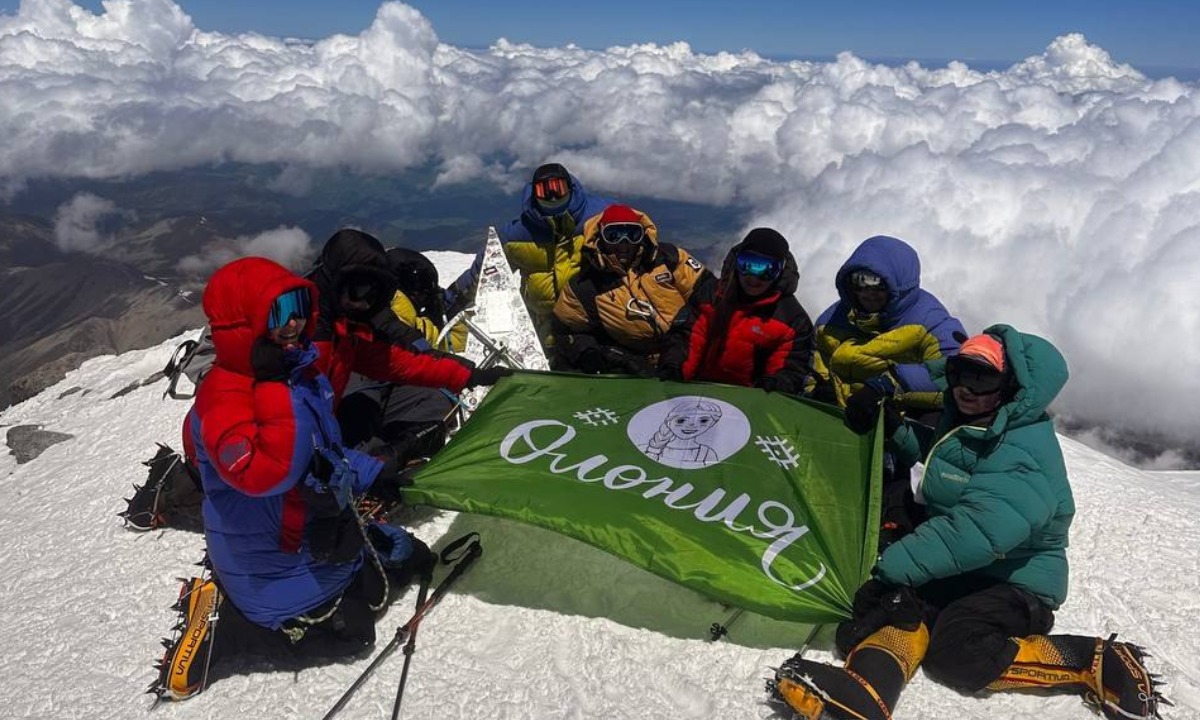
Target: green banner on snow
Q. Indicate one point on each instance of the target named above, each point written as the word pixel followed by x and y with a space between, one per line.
pixel 754 499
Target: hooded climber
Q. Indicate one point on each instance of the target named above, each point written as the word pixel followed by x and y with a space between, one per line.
pixel 748 328
pixel 544 243
pixel 972 591
pixel 387 415
pixel 884 326
pixel 291 566
pixel 615 314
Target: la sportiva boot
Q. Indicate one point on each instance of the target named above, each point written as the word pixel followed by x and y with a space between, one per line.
pixel 183 671
pixel 867 688
pixel 1110 675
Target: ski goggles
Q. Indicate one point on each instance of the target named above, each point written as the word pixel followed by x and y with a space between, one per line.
pixel 292 304
pixel 867 280
pixel 758 266
pixel 979 379
pixel 551 189
pixel 617 233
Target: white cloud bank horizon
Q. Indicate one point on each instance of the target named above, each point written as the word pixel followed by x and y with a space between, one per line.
pixel 1061 195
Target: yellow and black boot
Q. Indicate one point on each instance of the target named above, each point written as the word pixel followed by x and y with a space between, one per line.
pixel 1110 675
pixel 867 688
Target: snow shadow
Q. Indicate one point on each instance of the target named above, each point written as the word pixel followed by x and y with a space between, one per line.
pixel 531 567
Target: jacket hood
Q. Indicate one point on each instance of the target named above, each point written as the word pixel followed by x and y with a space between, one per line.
pixel 787 282
pixel 594 257
pixel 1039 372
pixel 892 259
pixel 238 300
pixel 532 214
pixel 350 252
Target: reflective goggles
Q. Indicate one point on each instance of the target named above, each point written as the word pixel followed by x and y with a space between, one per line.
pixel 867 280
pixel 758 266
pixel 292 304
pixel 979 379
pixel 617 233
pixel 551 189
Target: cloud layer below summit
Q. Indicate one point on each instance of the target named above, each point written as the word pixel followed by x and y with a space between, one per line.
pixel 1061 195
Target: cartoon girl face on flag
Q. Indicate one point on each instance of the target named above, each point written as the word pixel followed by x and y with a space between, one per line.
pixel 675 442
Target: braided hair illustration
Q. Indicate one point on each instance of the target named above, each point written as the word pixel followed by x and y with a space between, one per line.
pixel 676 436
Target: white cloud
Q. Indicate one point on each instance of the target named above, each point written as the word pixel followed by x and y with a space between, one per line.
pixel 84 222
pixel 288 246
pixel 1061 195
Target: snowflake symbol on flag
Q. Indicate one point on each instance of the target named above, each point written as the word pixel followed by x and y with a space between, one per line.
pixel 778 450
pixel 597 417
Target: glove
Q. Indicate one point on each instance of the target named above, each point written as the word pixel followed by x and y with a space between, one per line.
pixel 590 361
pixel 403 554
pixel 862 409
pixel 268 360
pixel 877 605
pixel 883 384
pixel 768 383
pixel 669 372
pixel 488 376
pixel 394 476
pixel 622 359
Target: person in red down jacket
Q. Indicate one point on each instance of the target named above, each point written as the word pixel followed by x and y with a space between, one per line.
pixel 749 328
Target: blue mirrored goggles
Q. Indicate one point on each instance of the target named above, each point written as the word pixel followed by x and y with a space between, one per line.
pixel 758 266
pixel 292 304
pixel 622 232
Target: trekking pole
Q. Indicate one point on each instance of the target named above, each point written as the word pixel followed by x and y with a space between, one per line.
pixel 470 555
pixel 410 646
pixel 718 630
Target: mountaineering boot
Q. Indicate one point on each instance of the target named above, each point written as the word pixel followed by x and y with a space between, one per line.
pixel 184 669
pixel 1110 675
pixel 867 688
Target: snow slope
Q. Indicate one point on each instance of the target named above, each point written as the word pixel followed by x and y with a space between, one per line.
pixel 542 627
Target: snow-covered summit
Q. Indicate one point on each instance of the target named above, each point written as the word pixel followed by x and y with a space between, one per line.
pixel 542 627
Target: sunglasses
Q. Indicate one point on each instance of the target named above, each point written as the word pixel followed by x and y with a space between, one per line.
pixel 866 280
pixel 758 266
pixel 973 376
pixel 551 189
pixel 292 304
pixel 617 233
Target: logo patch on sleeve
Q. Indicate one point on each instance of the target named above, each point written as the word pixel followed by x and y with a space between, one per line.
pixel 695 264
pixel 663 278
pixel 234 453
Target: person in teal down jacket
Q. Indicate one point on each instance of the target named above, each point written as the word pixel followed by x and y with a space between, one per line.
pixel 971 593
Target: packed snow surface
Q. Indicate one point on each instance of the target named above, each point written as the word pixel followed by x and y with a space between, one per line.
pixel 541 627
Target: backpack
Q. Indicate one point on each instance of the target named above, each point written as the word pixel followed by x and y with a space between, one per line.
pixel 193 359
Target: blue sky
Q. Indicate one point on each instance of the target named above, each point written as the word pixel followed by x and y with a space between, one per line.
pixel 1147 33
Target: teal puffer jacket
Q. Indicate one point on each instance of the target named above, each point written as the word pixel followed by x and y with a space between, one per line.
pixel 998 497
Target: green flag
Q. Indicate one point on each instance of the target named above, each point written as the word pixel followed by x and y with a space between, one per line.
pixel 755 499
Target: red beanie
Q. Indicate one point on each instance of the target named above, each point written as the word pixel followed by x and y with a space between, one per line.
pixel 620 214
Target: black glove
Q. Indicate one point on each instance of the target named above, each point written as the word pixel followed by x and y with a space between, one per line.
pixel 622 359
pixel 862 409
pixel 768 383
pixel 488 376
pixel 267 360
pixel 669 372
pixel 878 604
pixel 590 361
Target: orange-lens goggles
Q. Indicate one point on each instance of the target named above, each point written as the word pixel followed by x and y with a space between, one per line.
pixel 551 189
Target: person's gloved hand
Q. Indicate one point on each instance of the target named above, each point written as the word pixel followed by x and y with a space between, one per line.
pixel 268 360
pixel 590 361
pixel 768 383
pixel 862 409
pixel 488 376
pixel 878 604
pixel 672 373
